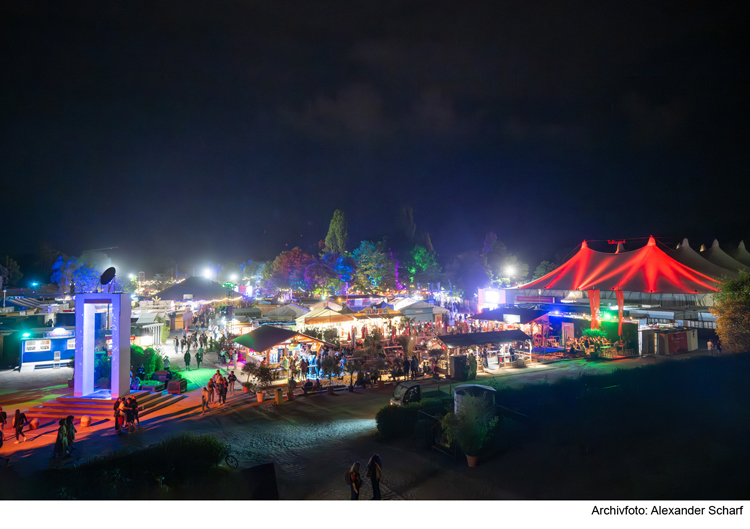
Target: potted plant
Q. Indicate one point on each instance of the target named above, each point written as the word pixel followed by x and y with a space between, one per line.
pixel 331 368
pixel 378 366
pixel 291 385
pixel 248 387
pixel 471 427
pixel 264 375
pixel 350 368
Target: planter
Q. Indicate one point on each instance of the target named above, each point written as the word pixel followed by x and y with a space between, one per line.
pixel 472 460
pixel 381 384
pixel 330 390
pixel 260 396
pixel 245 389
pixel 351 389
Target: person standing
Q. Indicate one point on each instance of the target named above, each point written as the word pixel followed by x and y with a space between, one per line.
pixel 211 387
pixel 18 422
pixel 355 481
pixel 70 430
pixel 407 367
pixel 231 380
pixel 187 358
pixel 176 345
pixel 204 401
pixel 199 358
pixel 134 407
pixel 375 473
pixel 116 409
pixel 222 391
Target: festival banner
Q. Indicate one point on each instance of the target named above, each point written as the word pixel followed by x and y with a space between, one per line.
pixel 594 303
pixel 620 304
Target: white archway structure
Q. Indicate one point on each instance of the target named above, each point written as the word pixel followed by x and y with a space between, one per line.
pixel 83 378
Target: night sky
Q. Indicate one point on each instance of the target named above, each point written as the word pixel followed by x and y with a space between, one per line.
pixel 188 131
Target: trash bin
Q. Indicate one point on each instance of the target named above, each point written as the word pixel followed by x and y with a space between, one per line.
pixel 279 396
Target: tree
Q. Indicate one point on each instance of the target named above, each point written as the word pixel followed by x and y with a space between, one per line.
pixel 372 266
pixel 289 267
pixel 86 278
pixel 62 272
pixel 544 268
pixel 320 277
pixel 407 223
pixel 732 311
pixel 3 276
pixel 13 271
pixel 469 272
pixel 423 266
pixel 337 234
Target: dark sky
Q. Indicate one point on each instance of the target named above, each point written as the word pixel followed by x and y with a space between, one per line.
pixel 228 130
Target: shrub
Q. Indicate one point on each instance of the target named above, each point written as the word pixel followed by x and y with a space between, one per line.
pixel 395 422
pixel 136 357
pixel 594 333
pixel 472 370
pixel 158 363
pixel 149 360
pixel 472 426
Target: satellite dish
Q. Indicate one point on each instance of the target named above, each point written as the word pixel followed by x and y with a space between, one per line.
pixel 107 276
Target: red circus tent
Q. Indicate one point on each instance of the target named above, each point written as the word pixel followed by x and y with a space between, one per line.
pixel 648 269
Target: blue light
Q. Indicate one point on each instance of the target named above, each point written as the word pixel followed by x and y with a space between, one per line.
pixel 26 334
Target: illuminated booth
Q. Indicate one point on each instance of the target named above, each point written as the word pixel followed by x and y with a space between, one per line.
pixel 47 348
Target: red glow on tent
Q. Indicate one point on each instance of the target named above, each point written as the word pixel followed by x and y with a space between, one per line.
pixel 647 269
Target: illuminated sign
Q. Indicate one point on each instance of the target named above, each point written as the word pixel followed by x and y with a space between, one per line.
pixel 511 318
pixel 59 333
pixel 616 242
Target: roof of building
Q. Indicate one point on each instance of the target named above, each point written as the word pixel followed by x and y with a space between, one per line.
pixel 483 338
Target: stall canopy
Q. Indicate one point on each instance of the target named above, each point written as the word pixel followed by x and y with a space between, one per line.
pixel 510 315
pixel 267 336
pixel 200 288
pixel 742 255
pixel 483 338
pixel 648 269
pixel 690 258
pixel 720 258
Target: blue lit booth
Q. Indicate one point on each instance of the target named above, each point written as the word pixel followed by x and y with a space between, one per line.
pixel 45 347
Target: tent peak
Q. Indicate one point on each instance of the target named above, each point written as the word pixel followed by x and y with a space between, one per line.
pixel 715 244
pixel 741 245
pixel 651 241
pixel 620 248
pixel 584 245
pixel 703 247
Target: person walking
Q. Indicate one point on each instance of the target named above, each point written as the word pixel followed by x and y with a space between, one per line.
pixel 355 480
pixel 176 345
pixel 70 430
pixel 3 421
pixel 187 359
pixel 231 380
pixel 199 358
pixel 204 401
pixel 2 442
pixel 375 473
pixel 61 442
pixel 19 420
